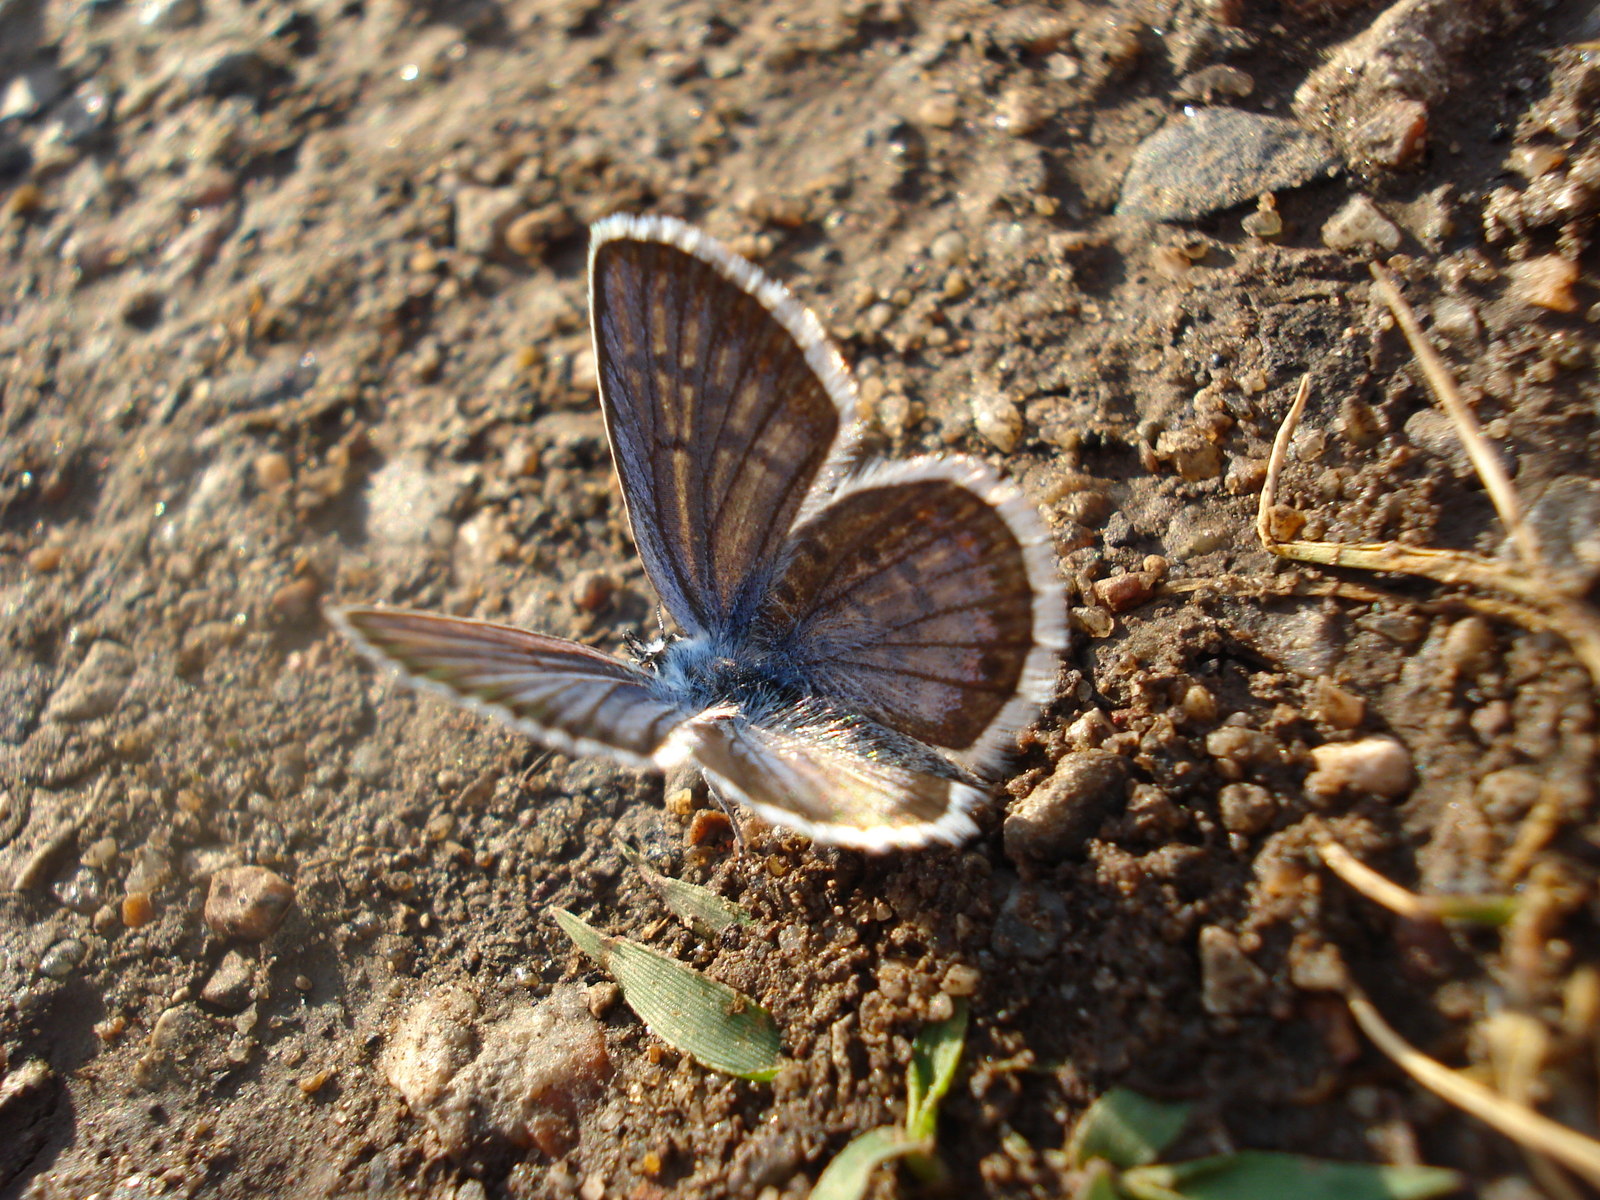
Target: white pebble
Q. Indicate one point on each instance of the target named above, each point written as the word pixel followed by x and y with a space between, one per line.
pixel 998 420
pixel 1380 766
pixel 1359 226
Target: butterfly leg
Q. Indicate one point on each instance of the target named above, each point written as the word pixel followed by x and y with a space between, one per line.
pixel 730 808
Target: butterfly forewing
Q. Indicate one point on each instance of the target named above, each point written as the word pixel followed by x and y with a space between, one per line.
pixel 843 781
pixel 563 694
pixel 925 595
pixel 724 403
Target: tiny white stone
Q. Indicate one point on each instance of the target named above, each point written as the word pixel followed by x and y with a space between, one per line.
pixel 1378 765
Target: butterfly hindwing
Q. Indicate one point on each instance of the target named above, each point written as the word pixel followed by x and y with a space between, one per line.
pixel 925 594
pixel 838 779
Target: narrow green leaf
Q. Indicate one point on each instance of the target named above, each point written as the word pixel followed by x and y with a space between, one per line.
pixel 847 1176
pixel 701 909
pixel 1478 910
pixel 935 1055
pixel 722 1028
pixel 1100 1183
pixel 1262 1175
pixel 1126 1129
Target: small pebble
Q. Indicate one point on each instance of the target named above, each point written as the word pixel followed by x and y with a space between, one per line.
pixel 63 958
pixel 1336 707
pixel 1379 766
pixel 310 1085
pixel 1246 807
pixel 230 984
pixel 1230 984
pixel 1214 158
pixel 1506 795
pixel 272 471
pixel 100 854
pixel 1284 522
pixel 1062 813
pixel 1022 110
pixel 1190 453
pixel 1469 647
pixel 522 1080
pixel 232 71
pixel 1208 83
pixel 137 909
pixel 592 591
pixel 42 560
pixel 296 599
pixel 709 826
pixel 247 902
pixel 96 687
pixel 529 235
pixel 83 891
pixel 31 92
pixel 1545 282
pixel 602 997
pixel 1265 222
pixel 949 248
pixel 1119 593
pixel 940 112
pixel 169 14
pixel 25 200
pixel 998 420
pixel 961 980
pixel 1241 747
pixel 483 215
pixel 148 869
pixel 1245 476
pixel 1030 923
pixel 1359 227
pixel 1199 704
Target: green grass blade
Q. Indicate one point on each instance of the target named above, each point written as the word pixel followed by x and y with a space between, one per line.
pixel 1126 1129
pixel 701 909
pixel 935 1055
pixel 720 1027
pixel 1262 1175
pixel 847 1176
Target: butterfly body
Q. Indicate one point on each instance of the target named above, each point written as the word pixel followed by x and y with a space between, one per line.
pixel 697 674
pixel 857 644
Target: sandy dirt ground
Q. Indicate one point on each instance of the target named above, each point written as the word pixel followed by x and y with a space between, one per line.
pixel 292 310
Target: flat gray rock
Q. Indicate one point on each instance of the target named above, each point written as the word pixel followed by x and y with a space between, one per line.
pixel 1215 158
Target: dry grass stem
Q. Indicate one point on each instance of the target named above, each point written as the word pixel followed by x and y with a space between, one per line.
pixel 1529 596
pixel 1531 1130
pixel 1484 460
pixel 1381 890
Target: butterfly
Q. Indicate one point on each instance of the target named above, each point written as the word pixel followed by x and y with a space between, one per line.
pixel 856 644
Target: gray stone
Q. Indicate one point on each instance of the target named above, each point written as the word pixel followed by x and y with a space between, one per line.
pixel 96 687
pixel 233 71
pixel 1031 923
pixel 1216 158
pixel 229 985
